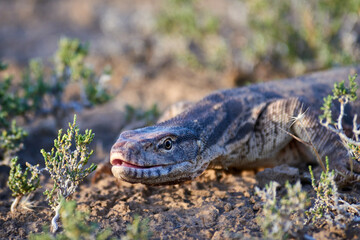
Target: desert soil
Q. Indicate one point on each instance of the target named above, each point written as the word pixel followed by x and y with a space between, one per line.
pixel 216 205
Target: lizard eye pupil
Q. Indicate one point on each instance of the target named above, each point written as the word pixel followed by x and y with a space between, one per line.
pixel 168 144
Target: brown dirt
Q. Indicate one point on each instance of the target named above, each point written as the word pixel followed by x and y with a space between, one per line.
pixel 216 205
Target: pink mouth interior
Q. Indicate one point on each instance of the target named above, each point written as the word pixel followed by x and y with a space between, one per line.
pixel 119 162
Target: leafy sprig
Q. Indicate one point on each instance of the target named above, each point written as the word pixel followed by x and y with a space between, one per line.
pixel 66 165
pixel 75 224
pixel 20 182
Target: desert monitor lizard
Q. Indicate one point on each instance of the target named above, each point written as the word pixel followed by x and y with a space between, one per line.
pixel 241 128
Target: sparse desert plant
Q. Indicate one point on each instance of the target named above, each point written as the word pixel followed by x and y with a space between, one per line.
pixel 138 230
pixel 20 182
pixel 39 94
pixel 328 206
pixel 343 95
pixel 70 67
pixel 282 219
pixel 11 136
pixel 66 165
pixel 75 224
pixel 11 140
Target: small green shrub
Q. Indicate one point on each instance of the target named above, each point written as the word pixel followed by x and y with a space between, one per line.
pixel 75 225
pixel 328 206
pixel 67 166
pixel 285 218
pixel 326 194
pixel 39 94
pixel 34 87
pixel 11 136
pixel 20 182
pixel 69 59
pixel 95 89
pixel 344 95
pixel 11 139
pixel 138 230
pixel 70 66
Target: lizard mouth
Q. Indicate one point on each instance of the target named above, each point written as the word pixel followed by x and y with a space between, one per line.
pixel 140 173
pixel 117 161
pixel 121 163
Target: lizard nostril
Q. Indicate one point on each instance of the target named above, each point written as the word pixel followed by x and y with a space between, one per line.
pixel 118 145
pixel 121 143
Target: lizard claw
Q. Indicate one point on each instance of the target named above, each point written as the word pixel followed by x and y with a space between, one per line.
pixel 348 172
pixel 354 165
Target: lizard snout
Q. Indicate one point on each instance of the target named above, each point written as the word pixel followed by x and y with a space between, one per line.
pixel 124 145
pixel 118 146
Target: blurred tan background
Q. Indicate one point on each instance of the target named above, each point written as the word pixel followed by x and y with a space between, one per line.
pixel 182 49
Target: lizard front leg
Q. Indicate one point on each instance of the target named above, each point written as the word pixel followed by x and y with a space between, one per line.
pixel 285 119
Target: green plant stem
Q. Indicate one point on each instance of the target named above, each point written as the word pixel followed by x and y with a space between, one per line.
pixel 54 225
pixel 15 203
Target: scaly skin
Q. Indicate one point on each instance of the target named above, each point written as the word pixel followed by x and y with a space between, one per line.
pixel 239 128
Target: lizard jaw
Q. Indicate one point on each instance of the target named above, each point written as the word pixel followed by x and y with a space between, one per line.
pixel 135 173
pixel 116 159
pixel 119 162
pixel 152 175
pixel 149 175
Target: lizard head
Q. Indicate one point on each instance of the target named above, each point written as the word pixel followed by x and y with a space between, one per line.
pixel 157 155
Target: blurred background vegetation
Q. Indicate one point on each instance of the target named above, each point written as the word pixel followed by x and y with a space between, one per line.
pixel 247 40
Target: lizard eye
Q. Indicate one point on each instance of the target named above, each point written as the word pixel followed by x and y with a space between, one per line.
pixel 168 144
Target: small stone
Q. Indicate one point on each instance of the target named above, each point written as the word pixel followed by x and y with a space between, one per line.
pixel 216 236
pixel 208 214
pixel 196 185
pixel 257 206
pixel 207 233
pixel 280 174
pixel 228 207
pixel 246 194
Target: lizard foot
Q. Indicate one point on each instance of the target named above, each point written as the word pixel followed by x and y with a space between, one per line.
pixel 348 172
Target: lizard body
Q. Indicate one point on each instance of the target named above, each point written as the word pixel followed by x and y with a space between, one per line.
pixel 243 128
